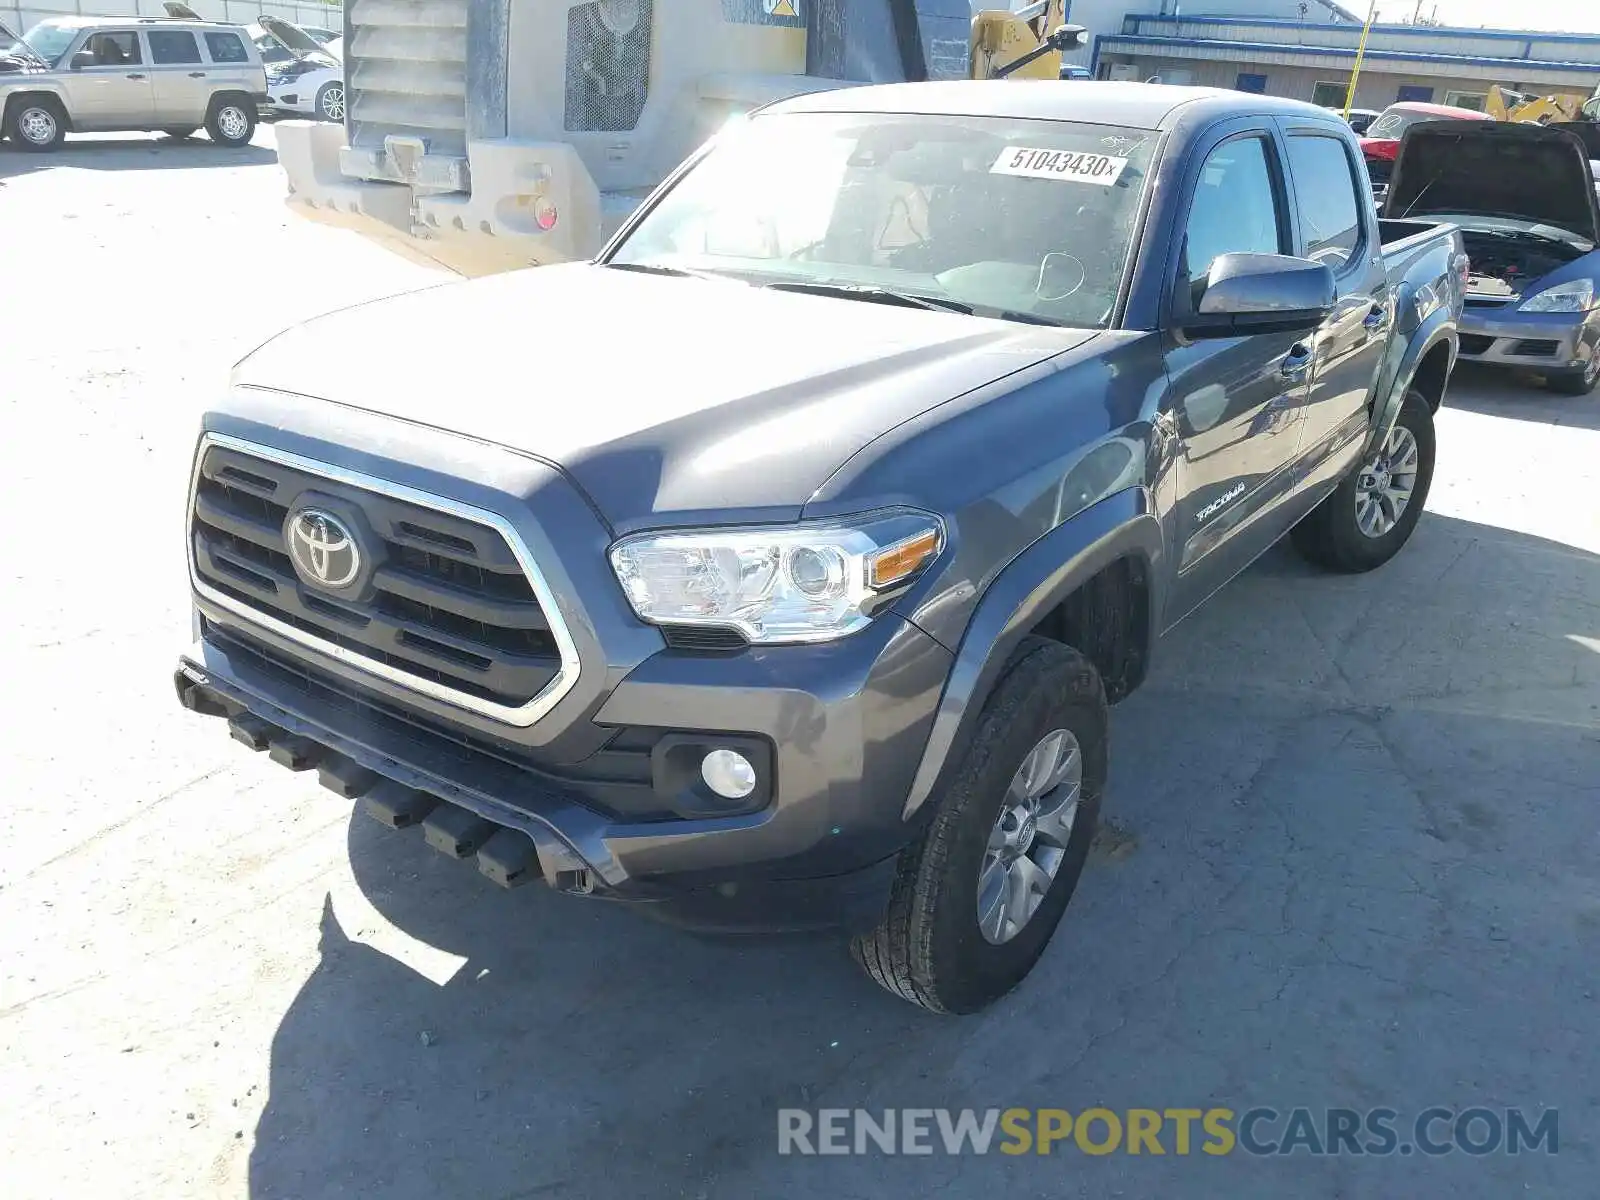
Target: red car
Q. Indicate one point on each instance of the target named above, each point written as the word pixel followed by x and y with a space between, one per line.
pixel 1382 140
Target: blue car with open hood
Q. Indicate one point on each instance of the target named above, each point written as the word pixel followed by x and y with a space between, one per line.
pixel 1524 198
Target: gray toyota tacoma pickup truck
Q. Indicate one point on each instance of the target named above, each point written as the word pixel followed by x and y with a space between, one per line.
pixel 777 569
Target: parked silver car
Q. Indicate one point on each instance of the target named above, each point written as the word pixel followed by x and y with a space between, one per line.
pixel 95 74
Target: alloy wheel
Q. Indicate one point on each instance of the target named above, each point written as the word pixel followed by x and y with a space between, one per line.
pixel 1030 836
pixel 233 123
pixel 38 125
pixel 1383 490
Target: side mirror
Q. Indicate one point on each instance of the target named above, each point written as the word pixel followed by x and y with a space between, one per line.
pixel 1261 293
pixel 1068 37
pixel 84 58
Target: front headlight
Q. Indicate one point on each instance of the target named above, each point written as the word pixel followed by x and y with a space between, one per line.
pixel 1574 297
pixel 798 583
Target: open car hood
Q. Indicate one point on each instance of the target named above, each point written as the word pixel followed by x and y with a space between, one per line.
pixel 23 53
pixel 1537 173
pixel 295 40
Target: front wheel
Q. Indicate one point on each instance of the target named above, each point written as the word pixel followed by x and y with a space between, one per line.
pixel 977 896
pixel 1371 514
pixel 231 122
pixel 36 125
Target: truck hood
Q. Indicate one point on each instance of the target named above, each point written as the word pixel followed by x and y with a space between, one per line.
pixel 669 400
pixel 1493 169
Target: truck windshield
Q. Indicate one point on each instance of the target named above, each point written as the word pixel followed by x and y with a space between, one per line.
pixel 1025 220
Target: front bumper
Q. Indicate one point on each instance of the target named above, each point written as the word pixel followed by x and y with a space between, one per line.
pixel 1505 336
pixel 591 787
pixel 820 854
pixel 289 101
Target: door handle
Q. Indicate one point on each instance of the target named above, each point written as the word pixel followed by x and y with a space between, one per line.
pixel 1296 366
pixel 1378 319
pixel 197 74
pixel 135 76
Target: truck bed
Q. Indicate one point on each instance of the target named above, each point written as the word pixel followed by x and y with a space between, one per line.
pixel 1405 243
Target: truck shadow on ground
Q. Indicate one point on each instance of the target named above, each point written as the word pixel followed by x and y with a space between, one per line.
pixel 1482 389
pixel 153 153
pixel 1352 857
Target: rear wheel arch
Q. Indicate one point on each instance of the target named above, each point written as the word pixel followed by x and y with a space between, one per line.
pixel 1432 375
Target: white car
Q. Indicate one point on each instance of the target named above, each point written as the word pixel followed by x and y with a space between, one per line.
pixel 305 77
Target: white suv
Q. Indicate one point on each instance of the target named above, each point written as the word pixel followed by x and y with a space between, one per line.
pixel 94 74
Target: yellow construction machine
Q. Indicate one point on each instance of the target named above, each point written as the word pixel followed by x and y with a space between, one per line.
pixel 487 135
pixel 1503 104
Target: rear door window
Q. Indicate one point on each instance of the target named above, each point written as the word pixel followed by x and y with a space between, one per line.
pixel 226 48
pixel 173 46
pixel 1325 186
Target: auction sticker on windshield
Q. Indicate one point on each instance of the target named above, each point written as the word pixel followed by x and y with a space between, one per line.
pixel 1102 169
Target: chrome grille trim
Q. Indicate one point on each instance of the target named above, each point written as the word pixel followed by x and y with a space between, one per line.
pixel 523 716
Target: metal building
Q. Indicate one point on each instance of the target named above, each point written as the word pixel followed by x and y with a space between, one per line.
pixel 1312 60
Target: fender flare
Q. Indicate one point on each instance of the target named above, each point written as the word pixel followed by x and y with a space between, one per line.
pixel 1031 585
pixel 1425 322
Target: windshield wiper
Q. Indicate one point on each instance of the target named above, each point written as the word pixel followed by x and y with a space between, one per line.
pixel 870 292
pixel 663 269
pixel 1027 318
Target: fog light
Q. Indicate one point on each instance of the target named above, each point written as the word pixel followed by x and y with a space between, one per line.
pixel 729 774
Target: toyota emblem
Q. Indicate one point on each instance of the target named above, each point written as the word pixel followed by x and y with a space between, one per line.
pixel 323 549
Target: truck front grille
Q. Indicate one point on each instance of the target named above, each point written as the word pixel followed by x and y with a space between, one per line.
pixel 407 73
pixel 443 600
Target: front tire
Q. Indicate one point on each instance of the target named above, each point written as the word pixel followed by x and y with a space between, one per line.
pixel 1372 513
pixel 37 126
pixel 942 943
pixel 231 122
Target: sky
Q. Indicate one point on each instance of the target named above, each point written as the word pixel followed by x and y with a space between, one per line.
pixel 1576 16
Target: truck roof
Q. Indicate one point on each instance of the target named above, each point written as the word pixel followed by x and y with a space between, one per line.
pixel 1133 105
